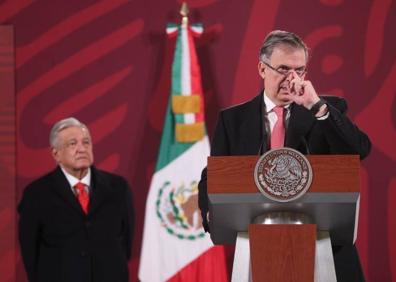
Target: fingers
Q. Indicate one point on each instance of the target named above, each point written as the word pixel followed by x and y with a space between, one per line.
pixel 299 100
pixel 303 93
pixel 296 85
pixel 297 88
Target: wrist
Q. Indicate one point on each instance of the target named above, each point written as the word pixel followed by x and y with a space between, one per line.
pixel 314 101
pixel 318 106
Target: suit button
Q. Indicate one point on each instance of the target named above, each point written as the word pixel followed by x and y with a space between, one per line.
pixel 83 253
pixel 88 224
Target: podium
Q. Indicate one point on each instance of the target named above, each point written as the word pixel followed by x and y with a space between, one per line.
pixel 331 204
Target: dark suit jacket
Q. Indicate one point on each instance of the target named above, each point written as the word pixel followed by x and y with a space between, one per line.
pixel 60 243
pixel 240 131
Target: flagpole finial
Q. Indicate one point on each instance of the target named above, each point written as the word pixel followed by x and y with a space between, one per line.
pixel 184 12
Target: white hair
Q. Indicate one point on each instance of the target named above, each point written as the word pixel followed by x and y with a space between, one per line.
pixel 61 125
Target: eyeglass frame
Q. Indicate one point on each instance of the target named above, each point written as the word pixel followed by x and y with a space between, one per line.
pixel 304 72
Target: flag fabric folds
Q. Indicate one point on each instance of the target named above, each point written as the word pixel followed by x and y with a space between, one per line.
pixel 175 246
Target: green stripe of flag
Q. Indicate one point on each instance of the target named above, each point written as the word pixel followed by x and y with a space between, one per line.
pixel 170 149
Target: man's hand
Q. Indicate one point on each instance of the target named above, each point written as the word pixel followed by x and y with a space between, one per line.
pixel 302 91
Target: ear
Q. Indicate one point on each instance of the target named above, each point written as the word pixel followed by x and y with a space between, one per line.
pixel 54 153
pixel 261 69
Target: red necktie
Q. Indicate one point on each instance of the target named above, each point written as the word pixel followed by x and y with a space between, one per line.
pixel 82 196
pixel 278 133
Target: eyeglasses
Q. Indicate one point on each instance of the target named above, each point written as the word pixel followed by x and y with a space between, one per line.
pixel 284 70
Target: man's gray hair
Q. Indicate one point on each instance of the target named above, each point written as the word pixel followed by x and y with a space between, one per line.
pixel 279 37
pixel 61 125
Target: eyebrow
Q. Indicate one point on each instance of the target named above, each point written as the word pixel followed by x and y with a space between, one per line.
pixel 75 139
pixel 285 66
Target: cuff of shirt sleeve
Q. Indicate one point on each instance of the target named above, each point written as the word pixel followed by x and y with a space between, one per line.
pixel 324 116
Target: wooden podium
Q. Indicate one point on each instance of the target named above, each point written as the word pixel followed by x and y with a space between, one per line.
pixel 284 252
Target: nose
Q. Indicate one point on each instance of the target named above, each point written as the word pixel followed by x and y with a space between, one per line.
pixel 81 147
pixel 289 75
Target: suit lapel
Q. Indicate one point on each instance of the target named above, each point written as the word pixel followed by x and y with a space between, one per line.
pixel 62 188
pixel 101 189
pixel 252 128
pixel 300 123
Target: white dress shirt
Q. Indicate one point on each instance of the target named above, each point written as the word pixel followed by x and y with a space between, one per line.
pixel 271 115
pixel 86 180
pixel 272 118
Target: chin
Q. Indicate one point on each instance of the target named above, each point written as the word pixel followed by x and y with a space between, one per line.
pixel 284 99
pixel 83 165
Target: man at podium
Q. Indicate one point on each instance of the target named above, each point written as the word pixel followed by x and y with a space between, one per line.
pixel 289 113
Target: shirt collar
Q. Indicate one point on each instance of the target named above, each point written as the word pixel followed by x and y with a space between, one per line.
pixel 86 180
pixel 269 105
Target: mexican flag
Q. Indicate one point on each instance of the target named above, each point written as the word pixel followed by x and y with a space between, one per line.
pixel 175 246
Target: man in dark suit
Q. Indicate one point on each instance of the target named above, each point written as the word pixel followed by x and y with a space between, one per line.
pixel 307 122
pixel 76 222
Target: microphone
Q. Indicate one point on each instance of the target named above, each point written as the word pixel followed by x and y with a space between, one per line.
pixel 305 143
pixel 260 151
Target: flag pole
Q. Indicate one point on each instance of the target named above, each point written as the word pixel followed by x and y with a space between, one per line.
pixel 184 11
